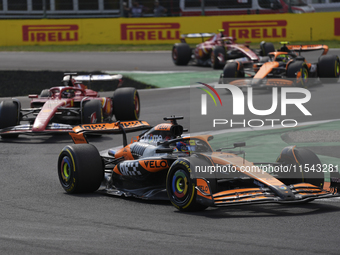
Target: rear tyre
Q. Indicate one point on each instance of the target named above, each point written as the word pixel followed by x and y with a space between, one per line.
pixel 293 70
pixel 181 187
pixel 266 48
pixel 80 168
pixel 92 112
pixel 9 117
pixel 218 52
pixel 307 165
pixel 45 93
pixel 181 54
pixel 126 104
pixel 329 68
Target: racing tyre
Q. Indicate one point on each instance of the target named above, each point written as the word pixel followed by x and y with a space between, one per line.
pixel 231 71
pixel 329 68
pixel 45 93
pixel 181 187
pixel 80 168
pixel 181 54
pixel 266 48
pixel 126 104
pixel 92 112
pixel 293 70
pixel 304 164
pixel 218 57
pixel 9 116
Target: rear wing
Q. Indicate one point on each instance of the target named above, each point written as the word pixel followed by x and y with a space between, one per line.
pixel 196 35
pixel 119 127
pixel 92 77
pixel 309 48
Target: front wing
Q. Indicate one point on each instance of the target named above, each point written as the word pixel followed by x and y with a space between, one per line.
pixel 303 192
pixel 263 83
pixel 27 129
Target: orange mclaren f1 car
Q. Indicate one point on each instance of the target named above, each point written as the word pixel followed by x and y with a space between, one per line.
pixel 284 67
pixel 162 163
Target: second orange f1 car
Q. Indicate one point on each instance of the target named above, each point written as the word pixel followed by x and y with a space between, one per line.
pixel 284 67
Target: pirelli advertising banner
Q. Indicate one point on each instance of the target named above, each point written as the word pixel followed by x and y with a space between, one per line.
pixel 254 28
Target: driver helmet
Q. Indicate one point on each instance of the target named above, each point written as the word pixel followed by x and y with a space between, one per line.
pixel 67 93
pixel 282 58
pixel 185 147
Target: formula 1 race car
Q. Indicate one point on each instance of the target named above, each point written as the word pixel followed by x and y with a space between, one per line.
pixel 60 108
pixel 217 50
pixel 284 67
pixel 161 163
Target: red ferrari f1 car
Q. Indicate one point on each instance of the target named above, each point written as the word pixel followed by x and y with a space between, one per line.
pixel 58 109
pixel 161 163
pixel 285 67
pixel 216 51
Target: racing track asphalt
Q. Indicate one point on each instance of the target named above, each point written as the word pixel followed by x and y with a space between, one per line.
pixel 37 217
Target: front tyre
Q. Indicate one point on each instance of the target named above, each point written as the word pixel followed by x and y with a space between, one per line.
pixel 126 104
pixel 80 168
pixel 232 71
pixel 92 112
pixel 218 57
pixel 9 116
pixel 298 70
pixel 181 187
pixel 306 166
pixel 266 48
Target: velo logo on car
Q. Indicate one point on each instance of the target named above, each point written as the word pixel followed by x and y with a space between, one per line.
pixel 50 33
pixel 239 102
pixel 149 31
pixel 256 29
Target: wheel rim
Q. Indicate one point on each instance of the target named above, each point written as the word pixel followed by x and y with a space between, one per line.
pixel 304 76
pixel 174 54
pixel 180 187
pixel 337 69
pixel 212 58
pixel 65 171
pixel 136 102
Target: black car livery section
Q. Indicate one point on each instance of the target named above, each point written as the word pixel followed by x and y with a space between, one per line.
pixel 186 170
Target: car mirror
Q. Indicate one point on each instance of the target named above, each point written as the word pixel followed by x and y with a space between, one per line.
pixel 239 144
